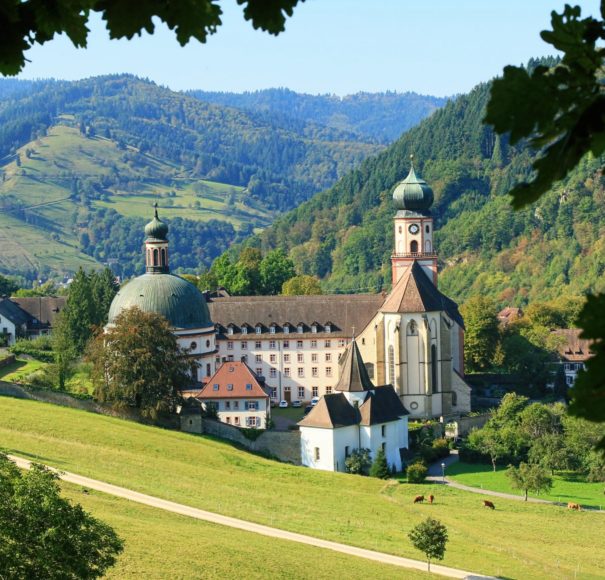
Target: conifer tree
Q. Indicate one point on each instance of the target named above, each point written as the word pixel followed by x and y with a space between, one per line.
pixel 380 468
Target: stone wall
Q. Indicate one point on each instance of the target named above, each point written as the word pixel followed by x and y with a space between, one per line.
pixel 67 400
pixel 9 359
pixel 464 425
pixel 283 445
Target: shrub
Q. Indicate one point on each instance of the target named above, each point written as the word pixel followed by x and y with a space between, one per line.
pixel 358 462
pixel 429 454
pixel 441 447
pixel 416 472
pixel 380 468
pixel 39 348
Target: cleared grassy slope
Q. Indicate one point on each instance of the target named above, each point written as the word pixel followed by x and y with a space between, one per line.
pixel 163 545
pixel 516 540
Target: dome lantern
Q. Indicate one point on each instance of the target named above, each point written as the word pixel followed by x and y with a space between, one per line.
pixel 156 229
pixel 413 193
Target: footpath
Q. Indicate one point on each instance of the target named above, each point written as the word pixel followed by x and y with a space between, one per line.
pixel 252 527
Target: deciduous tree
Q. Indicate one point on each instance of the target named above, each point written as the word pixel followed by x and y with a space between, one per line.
pixel 529 477
pixel 482 334
pixel 430 537
pixel 301 286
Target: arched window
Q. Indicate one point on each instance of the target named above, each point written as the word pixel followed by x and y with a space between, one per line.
pixel 427 229
pixel 427 246
pixel 399 229
pixel 414 247
pixel 163 262
pixel 434 383
pixel 392 364
pixel 155 257
pixel 411 329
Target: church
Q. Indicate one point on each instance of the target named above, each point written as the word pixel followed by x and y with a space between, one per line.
pixel 411 338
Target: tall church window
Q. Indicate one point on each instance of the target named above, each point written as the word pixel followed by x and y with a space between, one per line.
pixel 163 262
pixel 155 257
pixel 427 246
pixel 434 384
pixel 392 364
pixel 411 329
pixel 414 247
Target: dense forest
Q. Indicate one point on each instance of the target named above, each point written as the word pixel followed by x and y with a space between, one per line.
pixel 344 235
pixel 376 116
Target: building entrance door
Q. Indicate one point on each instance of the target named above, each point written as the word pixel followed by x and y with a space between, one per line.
pixel 287 394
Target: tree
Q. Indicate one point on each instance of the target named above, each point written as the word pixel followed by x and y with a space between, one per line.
pixel 43 535
pixel 380 467
pixel 104 289
pixel 275 269
pixel 138 363
pixel 550 452
pixel 529 477
pixel 482 333
pixel 27 23
pixel 430 537
pixel 358 462
pixel 7 286
pixel 64 351
pixel 79 311
pixel 561 111
pixel 301 286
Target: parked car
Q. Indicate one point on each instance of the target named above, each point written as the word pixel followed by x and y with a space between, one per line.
pixel 308 409
pixel 283 404
pixel 314 401
pixel 296 404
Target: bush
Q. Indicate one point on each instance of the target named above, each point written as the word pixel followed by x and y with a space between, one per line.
pixel 358 462
pixel 429 454
pixel 416 472
pixel 441 447
pixel 38 348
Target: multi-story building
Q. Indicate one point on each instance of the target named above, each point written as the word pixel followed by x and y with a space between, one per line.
pixel 573 353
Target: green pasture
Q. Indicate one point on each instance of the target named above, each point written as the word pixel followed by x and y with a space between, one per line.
pixel 566 486
pixel 517 540
pixel 159 544
pixel 18 371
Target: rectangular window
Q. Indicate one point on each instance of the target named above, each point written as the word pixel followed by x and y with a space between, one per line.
pixel 314 357
pixel 244 330
pixel 286 358
pixel 328 390
pixel 328 343
pixel 286 371
pixel 328 371
pixel 384 446
pixel 286 344
pixel 258 358
pixel 299 344
pixel 251 406
pixel 252 422
pixel 272 330
pixel 215 387
pixel 230 358
pixel 341 342
pixel 230 331
pixel 383 430
pixel 272 373
pixel 274 392
pixel 328 357
pixel 286 329
pixel 236 404
pixel 272 344
pixel 229 345
pixel 229 387
pixel 347 451
pixel 244 345
pixel 248 386
pixel 301 372
pixel 315 391
pixel 228 420
pixel 301 392
pixel 273 358
pixel 316 454
pixel 258 330
pixel 300 357
pixel 313 344
pixel 227 404
pixel 259 371
pixel 257 344
pixel 314 372
pixel 236 420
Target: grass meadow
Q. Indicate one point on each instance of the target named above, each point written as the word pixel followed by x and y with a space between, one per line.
pixel 566 486
pixel 517 540
pixel 158 544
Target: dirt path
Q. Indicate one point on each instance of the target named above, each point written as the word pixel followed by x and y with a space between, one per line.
pixel 252 527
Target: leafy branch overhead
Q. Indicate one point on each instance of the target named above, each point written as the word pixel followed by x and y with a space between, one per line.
pixel 559 110
pixel 29 22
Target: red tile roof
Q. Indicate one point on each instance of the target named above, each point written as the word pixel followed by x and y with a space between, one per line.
pixel 572 347
pixel 233 380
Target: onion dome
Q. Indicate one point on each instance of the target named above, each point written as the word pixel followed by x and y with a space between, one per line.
pixel 177 300
pixel 156 228
pixel 413 193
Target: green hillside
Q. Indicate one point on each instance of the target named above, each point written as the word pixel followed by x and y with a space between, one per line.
pixel 540 540
pixel 344 235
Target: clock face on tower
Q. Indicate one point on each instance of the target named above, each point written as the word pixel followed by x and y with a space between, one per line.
pixel 414 229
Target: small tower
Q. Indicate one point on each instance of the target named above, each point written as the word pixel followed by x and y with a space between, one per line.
pixel 156 245
pixel 413 227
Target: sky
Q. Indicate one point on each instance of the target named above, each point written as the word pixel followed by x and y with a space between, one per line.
pixel 436 47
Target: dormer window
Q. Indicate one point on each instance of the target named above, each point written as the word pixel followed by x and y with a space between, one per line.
pixel 229 387
pixel 259 329
pixel 272 329
pixel 244 330
pixel 215 387
pixel 314 328
pixel 328 327
pixel 287 329
pixel 248 387
pixel 230 330
pixel 300 328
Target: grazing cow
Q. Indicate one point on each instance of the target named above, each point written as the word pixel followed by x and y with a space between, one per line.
pixel 488 504
pixel 574 506
pixel 419 499
pixel 431 499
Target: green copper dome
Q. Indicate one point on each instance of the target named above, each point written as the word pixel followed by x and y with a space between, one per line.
pixel 177 300
pixel 156 228
pixel 413 194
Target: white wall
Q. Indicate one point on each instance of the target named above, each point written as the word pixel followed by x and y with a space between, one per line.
pixel 314 437
pixel 237 416
pixel 5 323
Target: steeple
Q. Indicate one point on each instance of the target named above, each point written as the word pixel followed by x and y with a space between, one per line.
pixel 413 198
pixel 353 375
pixel 156 245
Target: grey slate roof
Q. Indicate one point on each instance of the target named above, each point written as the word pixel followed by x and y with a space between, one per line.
pixel 332 411
pixel 348 313
pixel 353 375
pixel 415 292
pixel 382 405
pixel 13 312
pixel 43 308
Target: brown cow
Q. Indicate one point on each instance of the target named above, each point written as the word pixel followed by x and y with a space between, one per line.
pixel 574 506
pixel 488 504
pixel 431 499
pixel 419 499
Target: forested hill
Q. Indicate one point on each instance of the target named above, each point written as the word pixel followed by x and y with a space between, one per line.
pixel 281 162
pixel 344 235
pixel 381 117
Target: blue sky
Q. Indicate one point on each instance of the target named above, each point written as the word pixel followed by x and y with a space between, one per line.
pixel 438 47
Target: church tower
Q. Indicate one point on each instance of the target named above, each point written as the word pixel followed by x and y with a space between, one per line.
pixel 156 245
pixel 413 227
